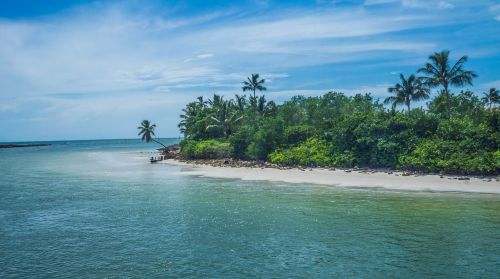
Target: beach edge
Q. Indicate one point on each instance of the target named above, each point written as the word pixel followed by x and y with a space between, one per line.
pixel 394 180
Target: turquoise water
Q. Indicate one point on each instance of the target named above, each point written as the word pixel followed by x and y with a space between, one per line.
pixel 99 209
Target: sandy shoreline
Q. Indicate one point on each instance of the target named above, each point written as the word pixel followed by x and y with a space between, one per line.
pixel 342 178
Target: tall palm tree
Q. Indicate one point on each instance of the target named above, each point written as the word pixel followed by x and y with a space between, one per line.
pixel 408 90
pixel 492 97
pixel 147 130
pixel 253 84
pixel 438 72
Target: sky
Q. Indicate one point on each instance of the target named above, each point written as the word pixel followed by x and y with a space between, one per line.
pixel 74 69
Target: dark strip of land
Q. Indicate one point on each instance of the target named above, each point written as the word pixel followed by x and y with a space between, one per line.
pixel 23 145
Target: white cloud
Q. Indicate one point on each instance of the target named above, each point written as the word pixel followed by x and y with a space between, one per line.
pixel 428 4
pixel 205 55
pixel 7 107
pixel 111 50
pixel 378 2
pixel 445 5
pixel 495 10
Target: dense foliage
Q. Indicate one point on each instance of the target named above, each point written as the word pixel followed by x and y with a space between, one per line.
pixel 454 133
pixel 207 149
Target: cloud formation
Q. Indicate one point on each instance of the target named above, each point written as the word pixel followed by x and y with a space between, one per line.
pixel 102 62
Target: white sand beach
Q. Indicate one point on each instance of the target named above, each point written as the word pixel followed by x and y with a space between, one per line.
pixel 346 178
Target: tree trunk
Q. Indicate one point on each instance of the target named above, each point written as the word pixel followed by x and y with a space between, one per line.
pixel 448 100
pixel 408 105
pixel 159 142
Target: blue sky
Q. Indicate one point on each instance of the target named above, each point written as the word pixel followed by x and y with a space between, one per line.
pixel 88 70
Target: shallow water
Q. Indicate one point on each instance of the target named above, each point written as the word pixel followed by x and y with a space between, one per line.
pixel 99 209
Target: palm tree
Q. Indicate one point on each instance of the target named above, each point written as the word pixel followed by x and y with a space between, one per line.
pixel 147 130
pixel 241 102
pixel 225 118
pixel 188 118
pixel 438 72
pixel 201 103
pixel 216 101
pixel 492 97
pixel 254 84
pixel 408 90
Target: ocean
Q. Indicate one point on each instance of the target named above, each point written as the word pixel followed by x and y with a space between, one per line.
pixel 99 209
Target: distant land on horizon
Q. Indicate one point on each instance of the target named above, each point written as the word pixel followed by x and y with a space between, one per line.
pixel 73 140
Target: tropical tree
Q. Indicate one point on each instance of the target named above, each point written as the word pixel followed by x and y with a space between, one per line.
pixel 241 102
pixel 491 97
pixel 216 101
pixel 439 73
pixel 408 90
pixel 147 131
pixel 188 118
pixel 225 118
pixel 253 84
pixel 201 103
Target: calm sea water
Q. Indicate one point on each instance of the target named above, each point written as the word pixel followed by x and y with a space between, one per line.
pixel 100 209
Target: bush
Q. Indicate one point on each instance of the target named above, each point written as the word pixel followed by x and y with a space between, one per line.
pixel 345 159
pixel 205 149
pixel 447 156
pixel 266 139
pixel 314 152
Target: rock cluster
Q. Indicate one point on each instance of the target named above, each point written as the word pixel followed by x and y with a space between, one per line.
pixel 233 163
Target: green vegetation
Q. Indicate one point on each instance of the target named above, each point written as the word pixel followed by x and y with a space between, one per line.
pixel 451 133
pixel 438 73
pixel 206 149
pixel 409 90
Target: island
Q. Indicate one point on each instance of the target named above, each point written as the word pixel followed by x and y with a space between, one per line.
pixel 453 133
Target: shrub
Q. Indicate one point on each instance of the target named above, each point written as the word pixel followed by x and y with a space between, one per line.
pixel 266 139
pixel 447 156
pixel 345 159
pixel 314 152
pixel 205 149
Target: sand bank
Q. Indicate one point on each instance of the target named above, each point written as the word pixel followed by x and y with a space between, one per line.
pixel 346 178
